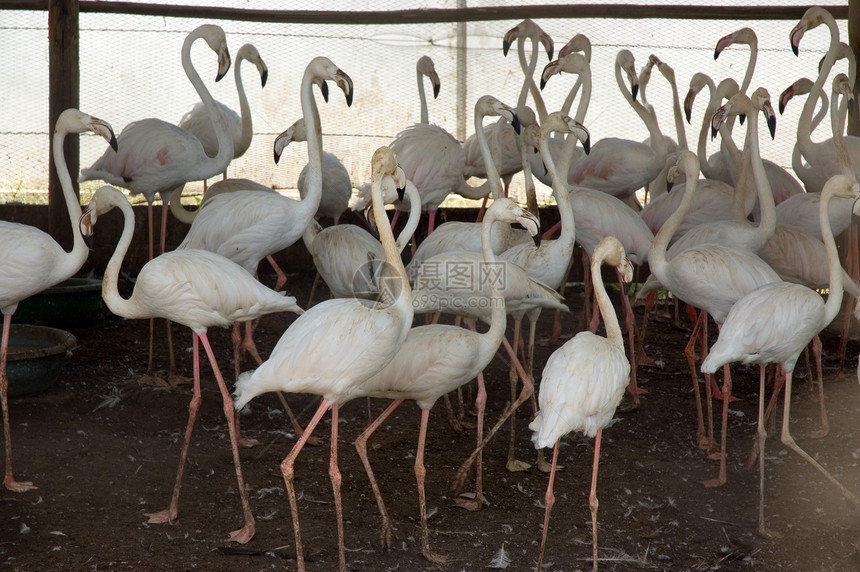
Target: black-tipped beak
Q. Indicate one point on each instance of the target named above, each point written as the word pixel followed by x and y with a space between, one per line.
pixel 586 145
pixel 771 125
pixel 515 123
pixel 537 239
pixel 349 97
pixel 781 107
pixel 742 118
pixel 277 157
pixel 713 132
pixel 688 113
pixel 794 48
pixel 634 90
pixel 401 193
pixel 370 221
pixel 264 77
pixel 716 53
pixel 542 83
pixel 324 91
pixel 436 87
pixel 506 45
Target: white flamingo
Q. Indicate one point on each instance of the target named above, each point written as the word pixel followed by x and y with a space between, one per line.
pixel 437 359
pixel 337 188
pixel 31 260
pixel 198 289
pixel 246 226
pixel 154 156
pixel 198 122
pixel 710 277
pixel 582 384
pixel 363 337
pixel 774 323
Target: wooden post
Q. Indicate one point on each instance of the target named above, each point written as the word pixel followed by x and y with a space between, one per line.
pixel 854 42
pixel 64 84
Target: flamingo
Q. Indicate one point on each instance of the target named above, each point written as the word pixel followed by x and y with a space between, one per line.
pixel 31 260
pixel 434 360
pixel 505 142
pixel 249 225
pixel 198 289
pixel 582 384
pixel 364 337
pixel 773 323
pixel 710 277
pixel 782 183
pixel 337 188
pixel 347 256
pixel 155 157
pixel 603 168
pixel 456 235
pixel 197 121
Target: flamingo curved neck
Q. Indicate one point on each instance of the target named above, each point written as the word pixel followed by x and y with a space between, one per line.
pixel 560 189
pixel 767 206
pixel 244 111
pixel 680 132
pixel 498 313
pixel 834 297
pixel 217 164
pixel 402 302
pixel 838 113
pixel 657 252
pixel 414 217
pixel 493 179
pixel 425 119
pixel 657 141
pixel 607 311
pixel 804 123
pixel 708 171
pixel 71 263
pixel 529 72
pixel 180 212
pixel 110 291
pixel 310 203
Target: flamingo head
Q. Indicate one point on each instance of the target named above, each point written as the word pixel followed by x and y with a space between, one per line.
pixel 426 68
pixel 295 132
pixel 811 19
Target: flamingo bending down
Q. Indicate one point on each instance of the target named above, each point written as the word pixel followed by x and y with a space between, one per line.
pixel 156 157
pixel 774 323
pixel 198 122
pixel 198 289
pixel 31 260
pixel 582 384
pixel 434 360
pixel 365 337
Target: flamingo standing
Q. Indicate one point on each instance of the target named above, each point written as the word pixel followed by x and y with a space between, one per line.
pixel 31 260
pixel 198 289
pixel 364 338
pixel 155 157
pixel 582 384
pixel 774 323
pixel 249 225
pixel 434 360
pixel 198 122
pixel 710 277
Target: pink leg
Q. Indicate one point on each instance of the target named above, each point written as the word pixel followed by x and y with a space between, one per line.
pixel 528 389
pixel 705 441
pixel 361 447
pixel 420 474
pixel 313 288
pixel 727 392
pixel 825 426
pixel 395 218
pixel 555 334
pixel 336 479
pixel 245 533
pixel 431 223
pixel 513 463
pixel 170 514
pixel 482 210
pixel 282 278
pixel 163 235
pixel 549 501
pixel 592 498
pixel 9 479
pixel 761 433
pixel 552 231
pixel 630 325
pixel 288 470
pixel 477 503
pixel 641 358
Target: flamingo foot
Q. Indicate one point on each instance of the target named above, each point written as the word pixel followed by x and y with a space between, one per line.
pixel 515 465
pixel 161 517
pixel 472 505
pixel 18 486
pixel 632 406
pixel 153 380
pixel 717 394
pixel 386 535
pixel 717 482
pixel 705 443
pixel 767 533
pixel 642 359
pixel 820 433
pixel 432 556
pixel 545 466
pixel 247 442
pixel 175 379
pixel 243 535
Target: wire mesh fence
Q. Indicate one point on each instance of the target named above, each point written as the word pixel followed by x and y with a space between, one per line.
pixel 130 69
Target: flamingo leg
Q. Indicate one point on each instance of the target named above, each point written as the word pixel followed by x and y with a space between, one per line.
pixel 555 334
pixel 9 478
pixel 704 441
pixel 361 447
pixel 630 325
pixel 288 471
pixel 788 440
pixel 420 474
pixel 528 389
pixel 313 288
pixel 482 210
pixel 170 513
pixel 476 503
pixel 650 300
pixel 281 276
pixel 541 462
pixel 245 533
pixel 549 501
pixel 336 480
pixel 431 222
pixel 163 235
pixel 761 433
pixel 825 426
pixel 592 499
pixel 394 218
pixel 727 391
pixel 513 463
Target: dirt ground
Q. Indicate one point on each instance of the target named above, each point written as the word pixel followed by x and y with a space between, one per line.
pixel 103 450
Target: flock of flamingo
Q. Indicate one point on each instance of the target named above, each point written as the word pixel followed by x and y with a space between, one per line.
pixel 751 245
